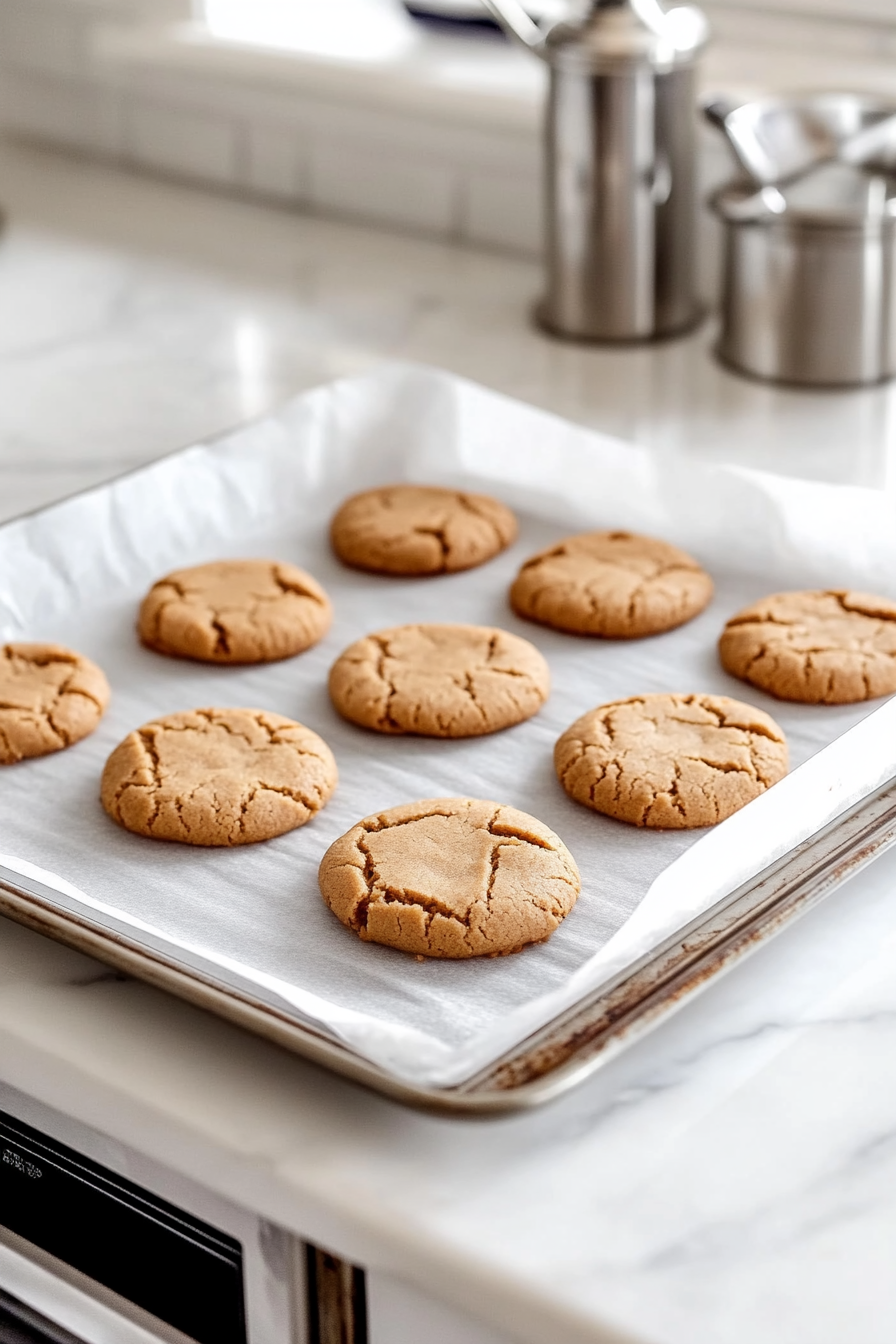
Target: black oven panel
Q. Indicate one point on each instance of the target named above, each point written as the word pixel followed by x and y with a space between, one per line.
pixel 181 1270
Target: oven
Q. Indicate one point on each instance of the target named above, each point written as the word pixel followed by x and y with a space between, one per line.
pixel 101 1245
pixel 98 1245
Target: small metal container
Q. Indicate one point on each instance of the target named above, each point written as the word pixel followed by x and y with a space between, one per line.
pixel 621 196
pixel 809 282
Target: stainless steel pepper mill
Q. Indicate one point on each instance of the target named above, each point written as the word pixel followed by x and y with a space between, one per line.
pixel 621 170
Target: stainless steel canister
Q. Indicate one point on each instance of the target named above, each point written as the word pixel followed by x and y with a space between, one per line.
pixel 809 286
pixel 621 179
pixel 809 282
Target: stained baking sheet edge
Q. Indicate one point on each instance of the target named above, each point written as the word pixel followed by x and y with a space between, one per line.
pixel 568 1050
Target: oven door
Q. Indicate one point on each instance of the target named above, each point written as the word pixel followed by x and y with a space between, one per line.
pixel 21 1324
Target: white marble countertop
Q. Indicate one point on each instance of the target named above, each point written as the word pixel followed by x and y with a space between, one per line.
pixel 729 1180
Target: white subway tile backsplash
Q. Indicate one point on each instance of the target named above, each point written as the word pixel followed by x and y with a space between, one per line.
pixel 61 110
pixel 368 182
pixel 298 144
pixel 277 162
pixel 46 36
pixel 405 148
pixel 181 141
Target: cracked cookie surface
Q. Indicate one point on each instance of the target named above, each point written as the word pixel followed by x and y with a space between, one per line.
pixel 821 648
pixel 671 762
pixel 417 530
pixel 439 680
pixel 612 584
pixel 450 877
pixel 235 611
pixel 218 777
pixel 50 698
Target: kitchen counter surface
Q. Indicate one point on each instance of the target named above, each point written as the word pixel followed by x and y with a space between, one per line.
pixel 729 1180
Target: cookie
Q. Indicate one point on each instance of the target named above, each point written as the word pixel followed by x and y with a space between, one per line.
pixel 420 529
pixel 822 648
pixel 671 761
pixel 50 698
pixel 439 680
pixel 450 877
pixel 235 611
pixel 613 584
pixel 218 777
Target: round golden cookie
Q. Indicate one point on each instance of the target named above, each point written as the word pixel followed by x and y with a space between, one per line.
pixel 218 777
pixel 439 680
pixel 822 648
pixel 671 762
pixel 50 698
pixel 450 877
pixel 235 611
pixel 420 529
pixel 612 584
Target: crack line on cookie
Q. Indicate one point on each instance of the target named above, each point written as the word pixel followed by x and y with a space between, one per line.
pixel 222 641
pixel 387 719
pixel 469 505
pixel 371 877
pixel 147 739
pixel 7 755
pixel 439 534
pixel 296 587
pixel 215 719
pixel 506 828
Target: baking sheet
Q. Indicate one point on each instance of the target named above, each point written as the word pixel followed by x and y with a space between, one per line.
pixel 75 573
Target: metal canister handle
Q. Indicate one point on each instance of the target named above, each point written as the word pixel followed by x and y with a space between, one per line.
pixel 514 19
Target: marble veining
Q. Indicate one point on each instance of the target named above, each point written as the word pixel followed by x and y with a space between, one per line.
pixel 732 1178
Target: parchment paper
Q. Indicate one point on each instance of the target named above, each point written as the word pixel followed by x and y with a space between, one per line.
pixel 76 572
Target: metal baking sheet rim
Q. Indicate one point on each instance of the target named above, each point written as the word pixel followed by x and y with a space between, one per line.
pixel 567 1051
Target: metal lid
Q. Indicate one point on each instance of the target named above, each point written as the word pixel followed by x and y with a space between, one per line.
pixel 834 196
pixel 618 35
pixel 782 136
